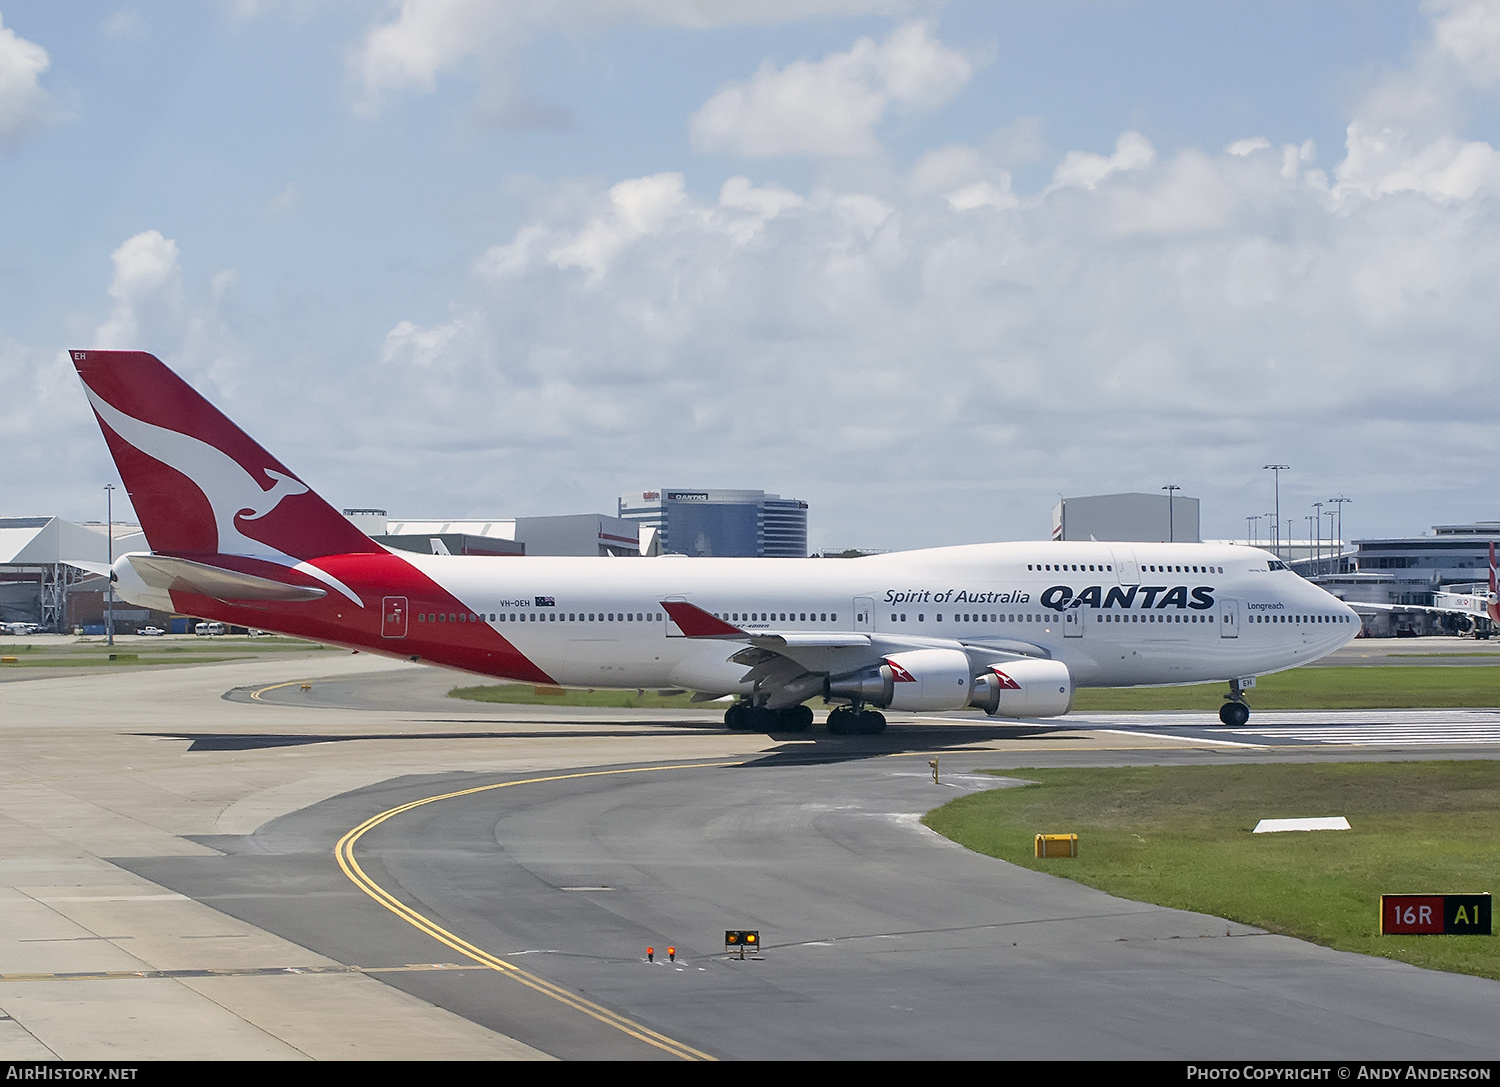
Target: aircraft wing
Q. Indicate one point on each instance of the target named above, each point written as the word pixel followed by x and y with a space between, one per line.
pixel 792 666
pixel 1471 612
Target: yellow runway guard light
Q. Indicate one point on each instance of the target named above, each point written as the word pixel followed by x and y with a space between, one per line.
pixel 1057 845
pixel 742 940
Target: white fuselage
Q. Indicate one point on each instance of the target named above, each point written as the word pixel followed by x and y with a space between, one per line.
pixel 1115 614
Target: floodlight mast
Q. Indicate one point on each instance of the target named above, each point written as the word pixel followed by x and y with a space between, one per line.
pixel 1339 501
pixel 109 590
pixel 1276 470
pixel 1171 527
pixel 1318 536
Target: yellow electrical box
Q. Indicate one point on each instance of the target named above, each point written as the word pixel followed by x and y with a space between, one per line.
pixel 1057 845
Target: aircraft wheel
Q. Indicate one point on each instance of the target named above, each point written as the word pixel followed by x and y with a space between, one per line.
pixel 840 722
pixel 1234 714
pixel 871 723
pixel 794 719
pixel 736 717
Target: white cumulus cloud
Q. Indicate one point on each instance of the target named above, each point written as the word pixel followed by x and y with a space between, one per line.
pixel 147 280
pixel 1403 139
pixel 24 105
pixel 831 106
pixel 426 39
pixel 1085 169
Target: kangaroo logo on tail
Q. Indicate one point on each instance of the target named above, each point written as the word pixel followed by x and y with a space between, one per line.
pixel 199 483
pixel 232 492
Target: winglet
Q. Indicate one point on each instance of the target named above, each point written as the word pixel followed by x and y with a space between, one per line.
pixel 694 622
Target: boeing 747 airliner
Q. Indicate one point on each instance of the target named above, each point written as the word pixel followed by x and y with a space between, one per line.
pixel 1012 628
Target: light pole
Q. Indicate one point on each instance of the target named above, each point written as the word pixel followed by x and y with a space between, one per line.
pixel 109 591
pixel 1318 522
pixel 1276 470
pixel 1329 514
pixel 1339 501
pixel 1249 529
pixel 1171 526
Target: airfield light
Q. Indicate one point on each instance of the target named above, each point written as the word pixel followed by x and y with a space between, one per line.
pixel 671 954
pixel 741 939
pixel 650 954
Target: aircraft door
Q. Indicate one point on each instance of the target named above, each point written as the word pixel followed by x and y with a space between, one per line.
pixel 1073 621
pixel 393 612
pixel 864 614
pixel 1229 618
pixel 1126 568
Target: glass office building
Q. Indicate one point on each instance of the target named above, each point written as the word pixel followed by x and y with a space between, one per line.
pixel 717 521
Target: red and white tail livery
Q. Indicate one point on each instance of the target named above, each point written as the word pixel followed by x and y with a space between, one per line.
pixel 1012 628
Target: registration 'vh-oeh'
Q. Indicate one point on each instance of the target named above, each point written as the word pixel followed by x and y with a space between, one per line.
pixel 1011 628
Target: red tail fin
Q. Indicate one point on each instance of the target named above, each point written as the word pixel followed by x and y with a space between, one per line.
pixel 198 482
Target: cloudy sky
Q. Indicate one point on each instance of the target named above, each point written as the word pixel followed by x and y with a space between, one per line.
pixel 925 265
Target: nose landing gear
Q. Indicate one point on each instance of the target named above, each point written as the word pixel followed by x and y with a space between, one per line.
pixel 1235 711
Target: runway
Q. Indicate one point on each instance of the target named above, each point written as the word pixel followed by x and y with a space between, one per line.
pixel 154 827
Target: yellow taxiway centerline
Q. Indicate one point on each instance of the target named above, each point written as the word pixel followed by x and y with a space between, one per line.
pixel 344 852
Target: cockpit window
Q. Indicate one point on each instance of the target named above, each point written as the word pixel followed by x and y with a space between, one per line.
pixel 1276 564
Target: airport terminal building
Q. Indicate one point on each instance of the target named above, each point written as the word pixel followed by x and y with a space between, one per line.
pixel 1409 570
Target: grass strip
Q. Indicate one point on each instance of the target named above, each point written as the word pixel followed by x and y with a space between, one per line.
pixel 1359 687
pixel 1181 837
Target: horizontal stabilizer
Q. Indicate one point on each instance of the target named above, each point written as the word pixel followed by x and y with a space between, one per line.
pixel 185 575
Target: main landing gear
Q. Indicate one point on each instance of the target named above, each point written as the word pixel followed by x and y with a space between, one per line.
pixel 744 717
pixel 847 721
pixel 1235 712
pixel 843 721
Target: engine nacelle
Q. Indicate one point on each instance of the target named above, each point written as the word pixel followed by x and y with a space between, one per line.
pixel 919 679
pixel 1024 688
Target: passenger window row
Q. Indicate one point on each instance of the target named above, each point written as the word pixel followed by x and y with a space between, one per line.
pixel 1301 619
pixel 544 617
pixel 1152 617
pixel 1085 567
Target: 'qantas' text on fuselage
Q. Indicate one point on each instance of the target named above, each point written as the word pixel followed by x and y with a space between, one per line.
pixel 1060 597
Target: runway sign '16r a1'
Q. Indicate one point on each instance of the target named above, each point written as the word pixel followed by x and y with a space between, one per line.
pixel 1451 915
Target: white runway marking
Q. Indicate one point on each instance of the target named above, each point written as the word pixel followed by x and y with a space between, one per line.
pixel 1383 735
pixel 1358 728
pixel 1268 728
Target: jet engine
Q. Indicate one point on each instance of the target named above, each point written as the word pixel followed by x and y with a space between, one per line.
pixel 919 679
pixel 1024 688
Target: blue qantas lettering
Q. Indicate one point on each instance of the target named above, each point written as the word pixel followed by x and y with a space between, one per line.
pixel 1144 597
